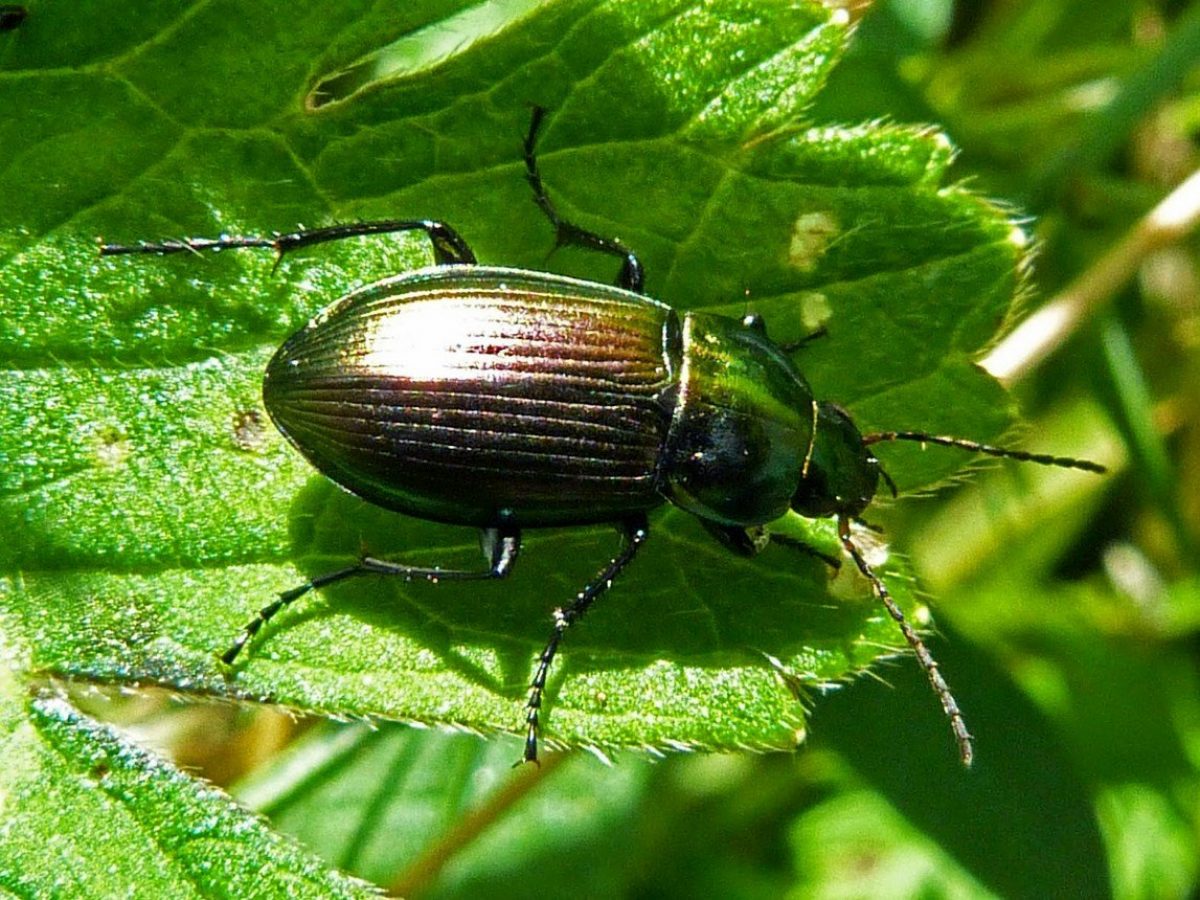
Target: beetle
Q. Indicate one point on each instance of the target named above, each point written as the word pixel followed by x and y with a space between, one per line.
pixel 507 399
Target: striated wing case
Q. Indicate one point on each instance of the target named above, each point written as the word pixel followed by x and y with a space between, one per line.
pixel 484 395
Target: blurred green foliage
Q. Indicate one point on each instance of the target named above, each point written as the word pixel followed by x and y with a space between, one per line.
pixel 1068 607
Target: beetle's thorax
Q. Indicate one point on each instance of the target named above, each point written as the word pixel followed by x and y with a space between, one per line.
pixel 742 425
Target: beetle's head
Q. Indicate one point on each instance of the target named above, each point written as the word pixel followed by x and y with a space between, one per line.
pixel 840 475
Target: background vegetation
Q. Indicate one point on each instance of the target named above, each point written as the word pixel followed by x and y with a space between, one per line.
pixel 148 506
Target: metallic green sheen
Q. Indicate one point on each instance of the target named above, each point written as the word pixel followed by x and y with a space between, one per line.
pixel 743 428
pixel 483 396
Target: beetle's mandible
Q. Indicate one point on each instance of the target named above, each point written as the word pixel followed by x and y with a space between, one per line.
pixel 506 398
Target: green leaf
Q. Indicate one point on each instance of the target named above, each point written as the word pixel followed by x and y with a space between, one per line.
pixel 88 814
pixel 1022 779
pixel 395 804
pixel 855 845
pixel 150 508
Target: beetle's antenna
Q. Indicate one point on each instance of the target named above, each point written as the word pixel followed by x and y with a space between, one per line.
pixel 1066 462
pixel 958 725
pixel 887 479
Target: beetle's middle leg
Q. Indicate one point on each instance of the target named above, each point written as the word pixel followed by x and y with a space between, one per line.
pixel 501 545
pixel 631 277
pixel 635 531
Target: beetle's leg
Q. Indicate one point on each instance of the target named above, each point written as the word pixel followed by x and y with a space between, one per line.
pixel 631 277
pixel 502 547
pixel 832 561
pixel 742 541
pixel 755 321
pixel 752 541
pixel 801 343
pixel 635 531
pixel 448 245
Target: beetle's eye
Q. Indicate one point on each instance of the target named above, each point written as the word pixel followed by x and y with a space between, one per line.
pixel 755 322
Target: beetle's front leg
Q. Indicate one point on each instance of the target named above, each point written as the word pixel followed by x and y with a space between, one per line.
pixel 751 541
pixel 635 531
pixel 743 541
pixel 449 248
pixel 502 545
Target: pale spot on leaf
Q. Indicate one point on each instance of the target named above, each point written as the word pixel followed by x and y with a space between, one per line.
pixel 811 236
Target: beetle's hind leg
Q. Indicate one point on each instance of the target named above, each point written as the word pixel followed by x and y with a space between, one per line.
pixel 631 276
pixel 501 545
pixel 635 530
pixel 448 245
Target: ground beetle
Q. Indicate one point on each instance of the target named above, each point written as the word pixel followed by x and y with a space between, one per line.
pixel 507 398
